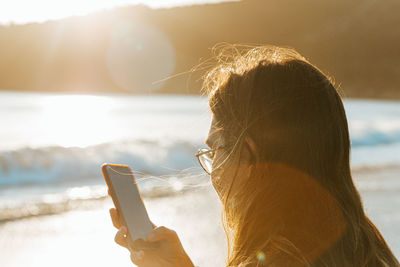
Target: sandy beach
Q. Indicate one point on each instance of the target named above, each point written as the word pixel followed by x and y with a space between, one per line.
pixel 85 237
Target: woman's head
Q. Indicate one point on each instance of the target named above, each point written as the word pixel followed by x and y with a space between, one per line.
pixel 272 103
pixel 281 164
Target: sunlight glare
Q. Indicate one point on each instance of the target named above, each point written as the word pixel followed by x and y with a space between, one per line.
pixel 76 120
pixel 26 11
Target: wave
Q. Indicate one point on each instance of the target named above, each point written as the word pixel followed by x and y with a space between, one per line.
pixel 47 165
pixel 65 165
pixel 51 180
pixel 373 134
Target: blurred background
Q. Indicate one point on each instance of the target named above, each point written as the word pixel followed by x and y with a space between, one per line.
pixel 87 82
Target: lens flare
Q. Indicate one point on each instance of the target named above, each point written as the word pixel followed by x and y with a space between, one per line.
pixel 139 56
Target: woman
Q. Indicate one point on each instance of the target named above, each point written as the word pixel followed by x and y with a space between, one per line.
pixel 279 161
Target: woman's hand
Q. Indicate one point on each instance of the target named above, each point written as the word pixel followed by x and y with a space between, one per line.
pixel 168 252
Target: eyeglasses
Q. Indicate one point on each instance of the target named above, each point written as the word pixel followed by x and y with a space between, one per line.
pixel 206 157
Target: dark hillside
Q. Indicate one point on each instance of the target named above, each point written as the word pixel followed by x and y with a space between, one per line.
pixel 357 42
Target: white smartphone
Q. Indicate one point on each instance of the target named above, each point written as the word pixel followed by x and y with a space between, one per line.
pixel 127 199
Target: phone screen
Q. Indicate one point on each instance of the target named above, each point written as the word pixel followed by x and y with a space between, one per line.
pixel 129 201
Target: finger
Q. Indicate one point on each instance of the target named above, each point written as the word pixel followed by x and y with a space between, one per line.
pixel 120 237
pixel 137 256
pixel 160 233
pixel 115 218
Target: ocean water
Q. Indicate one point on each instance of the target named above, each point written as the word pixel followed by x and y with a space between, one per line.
pixel 52 145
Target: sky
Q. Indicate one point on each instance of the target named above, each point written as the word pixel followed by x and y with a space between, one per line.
pixel 26 11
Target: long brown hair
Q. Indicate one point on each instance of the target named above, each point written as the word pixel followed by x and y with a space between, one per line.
pixel 298 206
